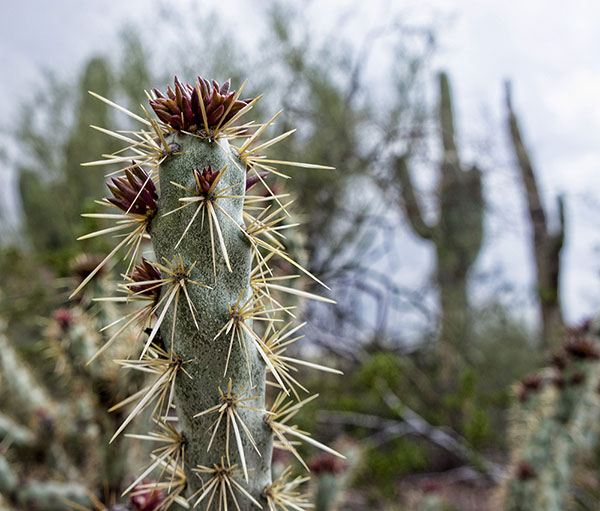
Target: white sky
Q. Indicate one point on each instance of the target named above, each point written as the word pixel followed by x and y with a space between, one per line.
pixel 549 48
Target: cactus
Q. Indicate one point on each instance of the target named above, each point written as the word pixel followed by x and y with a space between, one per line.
pixel 458 233
pixel 38 442
pixel 432 502
pixel 547 245
pixel 554 420
pixel 211 321
pixel 54 419
pixel 332 476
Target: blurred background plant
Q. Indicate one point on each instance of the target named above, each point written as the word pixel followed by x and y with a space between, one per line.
pixel 427 398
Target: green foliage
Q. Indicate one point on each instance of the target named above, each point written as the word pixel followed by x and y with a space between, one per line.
pixel 401 457
pixel 27 292
pixel 47 181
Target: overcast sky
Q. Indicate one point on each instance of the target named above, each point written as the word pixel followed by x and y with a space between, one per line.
pixel 549 48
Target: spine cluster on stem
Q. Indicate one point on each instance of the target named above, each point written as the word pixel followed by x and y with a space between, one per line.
pixel 213 326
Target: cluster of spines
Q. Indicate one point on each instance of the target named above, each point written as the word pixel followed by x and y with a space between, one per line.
pixel 209 112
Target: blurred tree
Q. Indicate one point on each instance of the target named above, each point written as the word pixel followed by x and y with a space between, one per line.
pixel 458 233
pixel 547 245
pixel 330 117
pixel 327 92
pixel 55 191
pixel 54 138
pixel 134 75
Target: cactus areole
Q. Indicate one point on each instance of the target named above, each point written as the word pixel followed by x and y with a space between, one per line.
pixel 210 311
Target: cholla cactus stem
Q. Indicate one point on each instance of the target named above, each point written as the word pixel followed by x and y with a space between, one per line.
pixel 211 357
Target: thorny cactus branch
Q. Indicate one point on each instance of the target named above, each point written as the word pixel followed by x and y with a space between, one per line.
pixel 21 383
pixel 446 116
pixel 210 328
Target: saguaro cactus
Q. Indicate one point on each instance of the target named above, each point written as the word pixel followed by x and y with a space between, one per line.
pixel 211 318
pixel 547 245
pixel 458 233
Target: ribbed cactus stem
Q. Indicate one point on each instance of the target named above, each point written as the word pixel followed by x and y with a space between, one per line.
pixel 205 350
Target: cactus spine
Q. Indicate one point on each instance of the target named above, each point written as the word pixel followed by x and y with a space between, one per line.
pixel 209 329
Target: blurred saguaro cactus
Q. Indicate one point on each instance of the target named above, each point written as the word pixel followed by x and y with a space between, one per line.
pixel 458 232
pixel 547 244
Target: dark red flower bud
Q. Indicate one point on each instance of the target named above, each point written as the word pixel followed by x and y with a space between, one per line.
pixel 181 109
pixel 582 348
pixel 525 471
pixel 577 378
pixel 325 463
pixel 145 273
pixel 64 317
pixel 529 385
pixel 532 382
pixel 204 179
pixel 135 193
pixel 145 497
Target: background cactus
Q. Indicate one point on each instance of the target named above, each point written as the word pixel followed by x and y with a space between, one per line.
pixel 219 328
pixel 55 424
pixel 547 244
pixel 352 121
pixel 458 233
pixel 333 476
pixel 554 421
